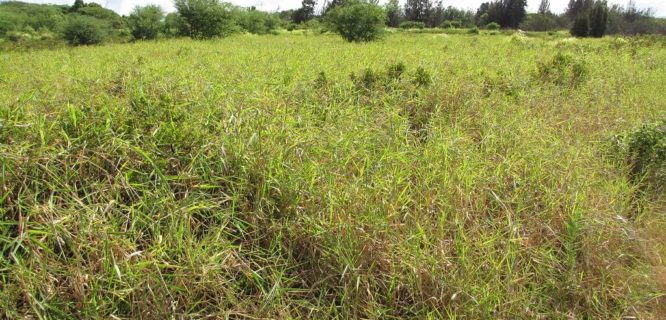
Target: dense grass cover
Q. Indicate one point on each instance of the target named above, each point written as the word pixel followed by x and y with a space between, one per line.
pixel 452 176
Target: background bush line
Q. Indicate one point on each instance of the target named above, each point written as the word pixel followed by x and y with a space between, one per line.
pixel 38 25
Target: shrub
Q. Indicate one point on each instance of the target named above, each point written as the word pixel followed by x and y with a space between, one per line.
pixel 493 26
pixel 473 30
pixel 395 71
pixel 563 69
pixel 412 25
pixel 456 24
pixel 257 22
pixel 446 24
pixel 358 21
pixel 205 19
pixel 366 80
pixel 84 30
pixel 539 22
pixel 146 22
pixel 422 78
pixel 645 151
pixel 581 26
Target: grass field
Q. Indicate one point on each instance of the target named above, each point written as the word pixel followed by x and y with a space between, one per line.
pixel 452 176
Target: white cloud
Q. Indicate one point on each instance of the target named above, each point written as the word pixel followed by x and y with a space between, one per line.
pixel 125 6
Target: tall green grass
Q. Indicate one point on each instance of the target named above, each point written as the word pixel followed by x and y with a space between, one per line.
pixel 253 177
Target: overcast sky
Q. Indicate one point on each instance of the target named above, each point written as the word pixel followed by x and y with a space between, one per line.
pixel 125 6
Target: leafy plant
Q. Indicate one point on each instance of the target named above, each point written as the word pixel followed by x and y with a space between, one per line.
pixel 84 30
pixel 563 69
pixel 146 22
pixel 645 151
pixel 358 21
pixel 493 26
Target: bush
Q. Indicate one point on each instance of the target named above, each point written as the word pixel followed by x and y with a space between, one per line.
pixel 84 30
pixel 446 24
pixel 412 25
pixel 539 22
pixel 645 151
pixel 358 21
pixel 205 19
pixel 581 26
pixel 473 30
pixel 563 69
pixel 146 22
pixel 493 26
pixel 257 22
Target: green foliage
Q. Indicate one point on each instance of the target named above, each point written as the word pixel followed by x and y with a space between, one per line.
pixel 16 16
pixel 108 16
pixel 146 22
pixel 493 26
pixel 422 77
pixel 581 26
pixel 412 25
pixel 174 25
pixel 85 30
pixel 205 19
pixel 540 22
pixel 506 13
pixel 563 69
pixel 645 151
pixel 393 13
pixel 257 22
pixel 598 19
pixel 418 10
pixel 358 21
pixel 305 13
pixel 473 30
pixel 250 178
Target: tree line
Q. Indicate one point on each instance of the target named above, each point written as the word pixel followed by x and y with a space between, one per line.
pixel 355 20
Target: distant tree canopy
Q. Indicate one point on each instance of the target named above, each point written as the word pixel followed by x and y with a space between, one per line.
pixel 203 19
pixel 507 13
pixel 393 13
pixel 305 12
pixel 591 17
pixel 418 10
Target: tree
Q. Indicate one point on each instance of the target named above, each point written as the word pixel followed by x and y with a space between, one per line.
pixel 173 25
pixel 205 19
pixel 358 21
pixel 418 10
pixel 146 22
pixel 581 26
pixel 544 7
pixel 507 13
pixel 78 4
pixel 393 13
pixel 437 15
pixel 598 19
pixel 514 13
pixel 305 12
pixel 332 4
pixel 540 22
pixel 578 7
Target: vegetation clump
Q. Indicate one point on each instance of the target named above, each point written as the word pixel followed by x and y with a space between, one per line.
pixel 358 21
pixel 645 151
pixel 563 69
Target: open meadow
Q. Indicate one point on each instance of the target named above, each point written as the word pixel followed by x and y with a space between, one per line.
pixel 423 176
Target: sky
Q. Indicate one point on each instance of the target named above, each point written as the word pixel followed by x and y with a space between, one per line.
pixel 557 6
